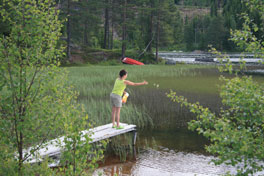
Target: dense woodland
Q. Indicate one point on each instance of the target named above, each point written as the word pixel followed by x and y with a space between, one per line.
pixel 149 25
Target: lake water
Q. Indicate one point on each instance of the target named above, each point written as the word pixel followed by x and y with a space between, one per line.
pixel 173 152
pixel 170 148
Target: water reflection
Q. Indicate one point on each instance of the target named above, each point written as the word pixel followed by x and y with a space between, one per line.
pixel 113 167
pixel 160 153
pixel 165 162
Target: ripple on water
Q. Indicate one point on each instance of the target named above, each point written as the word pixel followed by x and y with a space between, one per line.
pixel 167 163
pixel 154 162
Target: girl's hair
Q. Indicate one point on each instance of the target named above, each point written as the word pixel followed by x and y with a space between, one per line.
pixel 122 73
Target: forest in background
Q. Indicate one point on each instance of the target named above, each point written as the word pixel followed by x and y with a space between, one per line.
pixel 148 26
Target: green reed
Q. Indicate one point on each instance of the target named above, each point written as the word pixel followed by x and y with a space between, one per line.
pixel 95 83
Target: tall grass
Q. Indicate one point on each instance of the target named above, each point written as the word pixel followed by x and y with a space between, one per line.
pixel 95 83
pixel 147 106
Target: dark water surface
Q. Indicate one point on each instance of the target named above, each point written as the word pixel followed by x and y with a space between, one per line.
pixel 174 152
pixel 170 148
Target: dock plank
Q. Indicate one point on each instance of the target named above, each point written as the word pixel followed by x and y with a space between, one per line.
pixel 97 134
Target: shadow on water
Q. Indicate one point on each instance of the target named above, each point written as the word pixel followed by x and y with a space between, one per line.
pixel 177 140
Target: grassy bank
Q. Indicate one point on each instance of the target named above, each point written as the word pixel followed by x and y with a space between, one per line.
pixel 98 56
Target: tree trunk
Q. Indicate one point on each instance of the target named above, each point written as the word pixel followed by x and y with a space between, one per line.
pixel 214 7
pixel 112 24
pixel 112 35
pixel 20 152
pixel 85 38
pixel 149 48
pixel 68 32
pixel 20 117
pixel 157 32
pixel 106 35
pixel 109 35
pixel 219 4
pixel 124 30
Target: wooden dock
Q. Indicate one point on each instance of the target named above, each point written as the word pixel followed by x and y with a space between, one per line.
pixel 99 133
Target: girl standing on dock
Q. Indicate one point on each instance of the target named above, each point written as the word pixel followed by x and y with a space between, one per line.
pixel 116 96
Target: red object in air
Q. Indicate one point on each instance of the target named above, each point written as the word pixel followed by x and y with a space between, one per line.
pixel 130 61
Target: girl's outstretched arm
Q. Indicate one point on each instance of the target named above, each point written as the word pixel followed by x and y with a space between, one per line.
pixel 135 84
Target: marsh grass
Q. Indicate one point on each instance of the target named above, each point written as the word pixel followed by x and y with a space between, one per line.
pixel 147 106
pixel 197 84
pixel 95 83
pixel 122 146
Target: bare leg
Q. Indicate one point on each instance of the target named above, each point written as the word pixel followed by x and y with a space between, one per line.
pixel 118 115
pixel 113 115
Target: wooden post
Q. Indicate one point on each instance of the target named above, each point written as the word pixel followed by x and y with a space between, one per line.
pixel 134 144
pixel 134 138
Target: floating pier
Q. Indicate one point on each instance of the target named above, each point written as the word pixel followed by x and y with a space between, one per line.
pixel 208 58
pixel 52 150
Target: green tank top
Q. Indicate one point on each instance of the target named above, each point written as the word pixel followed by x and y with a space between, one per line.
pixel 119 87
